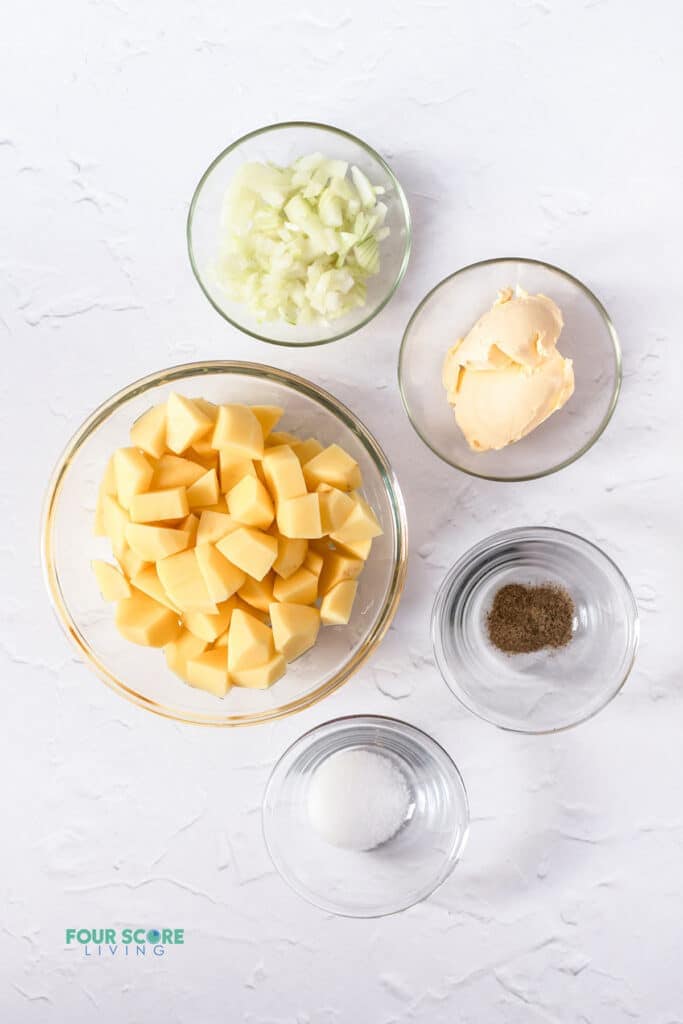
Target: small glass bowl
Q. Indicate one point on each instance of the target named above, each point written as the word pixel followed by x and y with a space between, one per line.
pixel 282 144
pixel 588 338
pixel 551 689
pixel 140 673
pixel 399 873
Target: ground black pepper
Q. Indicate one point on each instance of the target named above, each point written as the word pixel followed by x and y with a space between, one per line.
pixel 527 618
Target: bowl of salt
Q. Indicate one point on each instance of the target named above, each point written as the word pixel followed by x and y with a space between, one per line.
pixel 365 816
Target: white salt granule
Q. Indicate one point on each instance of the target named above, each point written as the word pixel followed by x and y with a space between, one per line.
pixel 357 799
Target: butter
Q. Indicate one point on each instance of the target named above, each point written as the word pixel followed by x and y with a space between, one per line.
pixel 506 376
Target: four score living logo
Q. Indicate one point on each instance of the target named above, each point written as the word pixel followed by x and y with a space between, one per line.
pixel 126 942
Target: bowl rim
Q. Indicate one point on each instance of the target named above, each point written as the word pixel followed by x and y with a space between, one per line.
pixel 370 719
pixel 333 130
pixel 616 346
pixel 495 540
pixel 187 371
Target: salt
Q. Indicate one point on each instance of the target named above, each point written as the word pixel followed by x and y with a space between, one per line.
pixel 357 799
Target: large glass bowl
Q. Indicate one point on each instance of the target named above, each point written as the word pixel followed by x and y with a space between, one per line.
pixel 68 546
pixel 550 689
pixel 282 144
pixel 588 338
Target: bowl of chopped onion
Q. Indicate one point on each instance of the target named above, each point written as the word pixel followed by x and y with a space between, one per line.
pixel 298 233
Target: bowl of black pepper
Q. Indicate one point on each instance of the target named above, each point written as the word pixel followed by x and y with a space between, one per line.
pixel 535 629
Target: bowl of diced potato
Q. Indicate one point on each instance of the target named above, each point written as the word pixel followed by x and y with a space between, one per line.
pixel 224 542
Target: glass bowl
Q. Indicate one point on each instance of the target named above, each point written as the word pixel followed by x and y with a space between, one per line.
pixel 400 872
pixel 282 144
pixel 551 689
pixel 140 673
pixel 588 338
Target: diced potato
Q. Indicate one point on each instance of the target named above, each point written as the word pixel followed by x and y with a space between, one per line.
pixel 306 450
pixel 291 553
pixel 233 467
pixel 209 671
pixel 155 506
pixel 263 676
pixel 155 542
pixel 250 503
pixel 238 428
pixel 190 524
pixel 222 640
pixel 250 609
pixel 361 524
pixel 149 431
pixel 147 580
pixel 357 548
pixel 335 507
pixel 173 471
pixel 133 474
pixel 220 506
pixel 300 517
pixel 209 409
pixel 314 562
pixel 280 437
pixel 112 583
pixel 268 416
pixel 186 423
pixel 214 526
pixel 250 642
pixel 144 621
pixel 222 579
pixel 204 491
pixel 210 627
pixel 338 567
pixel 295 628
pixel 131 564
pixel 115 521
pixel 179 651
pixel 300 588
pixel 258 593
pixel 335 609
pixel 282 471
pixel 182 580
pixel 333 466
pixel 250 550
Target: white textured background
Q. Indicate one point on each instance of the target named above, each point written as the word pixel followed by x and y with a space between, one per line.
pixel 548 129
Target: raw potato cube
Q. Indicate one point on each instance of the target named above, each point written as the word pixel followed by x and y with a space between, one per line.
pixel 282 472
pixel 222 579
pixel 250 610
pixel 250 550
pixel 209 671
pixel 220 506
pixel 333 466
pixel 204 491
pixel 238 428
pixel 202 446
pixel 144 621
pixel 314 562
pixel 268 416
pixel 357 548
pixel 338 567
pixel 147 580
pixel 250 503
pixel 361 525
pixel 190 524
pixel 300 588
pixel 263 676
pixel 172 471
pixel 133 474
pixel 131 564
pixel 295 628
pixel 291 553
pixel 278 438
pixel 213 526
pixel 335 507
pixel 222 640
pixel 306 450
pixel 250 643
pixel 233 467
pixel 210 627
pixel 149 431
pixel 186 423
pixel 258 593
pixel 155 542
pixel 183 582
pixel 115 521
pixel 300 517
pixel 336 606
pixel 155 506
pixel 179 651
pixel 112 583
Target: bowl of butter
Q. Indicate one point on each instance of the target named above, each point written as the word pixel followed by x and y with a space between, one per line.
pixel 510 369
